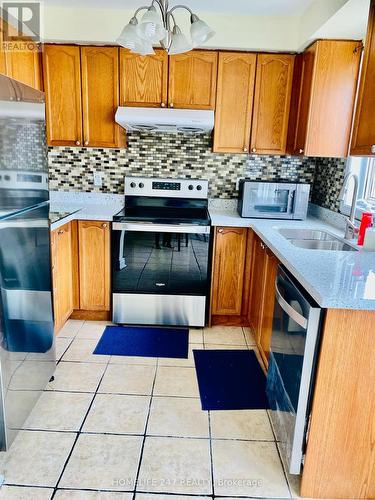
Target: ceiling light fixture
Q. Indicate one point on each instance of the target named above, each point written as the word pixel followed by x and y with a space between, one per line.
pixel 159 25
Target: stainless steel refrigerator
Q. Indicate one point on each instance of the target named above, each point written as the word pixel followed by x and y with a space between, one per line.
pixel 27 351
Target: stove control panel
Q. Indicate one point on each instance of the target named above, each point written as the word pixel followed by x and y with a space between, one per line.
pixel 168 188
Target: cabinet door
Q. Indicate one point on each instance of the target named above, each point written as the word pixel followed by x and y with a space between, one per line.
pixel 332 98
pixel 2 53
pixel 363 140
pixel 192 80
pixel 143 79
pixel 62 269
pixel 94 265
pixel 234 102
pixel 271 264
pixel 271 103
pixel 100 96
pixel 228 272
pixel 62 85
pixel 257 287
pixel 25 66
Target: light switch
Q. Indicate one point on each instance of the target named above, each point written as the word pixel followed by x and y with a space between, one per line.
pixel 98 179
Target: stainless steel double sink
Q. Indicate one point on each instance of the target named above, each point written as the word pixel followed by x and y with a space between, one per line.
pixel 315 239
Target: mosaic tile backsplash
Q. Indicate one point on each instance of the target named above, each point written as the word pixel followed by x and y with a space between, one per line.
pixel 328 180
pixel 71 169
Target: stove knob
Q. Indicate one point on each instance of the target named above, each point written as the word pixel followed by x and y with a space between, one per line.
pixel 141 185
pixel 191 187
pixel 199 187
pixel 133 184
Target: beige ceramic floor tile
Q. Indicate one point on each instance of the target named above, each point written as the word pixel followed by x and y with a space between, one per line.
pixel 196 336
pixel 82 350
pixel 176 465
pixel 249 337
pixel 226 347
pixel 62 344
pixel 71 328
pixel 182 417
pixel 251 425
pixel 128 379
pixel 91 495
pixel 93 329
pixel 36 458
pixel 103 462
pixel 23 493
pixel 118 414
pixel 150 496
pixel 31 375
pixel 80 377
pixel 224 335
pixel 176 381
pixel 59 411
pixel 180 361
pixel 133 360
pixel 248 468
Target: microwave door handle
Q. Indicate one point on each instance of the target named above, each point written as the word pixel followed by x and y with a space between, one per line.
pixel 288 309
pixel 291 201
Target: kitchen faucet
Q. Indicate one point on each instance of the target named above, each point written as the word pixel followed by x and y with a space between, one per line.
pixel 351 229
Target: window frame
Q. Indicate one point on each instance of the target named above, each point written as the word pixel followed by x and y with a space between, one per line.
pixel 365 203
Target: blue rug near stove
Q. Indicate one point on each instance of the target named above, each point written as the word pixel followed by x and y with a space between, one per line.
pixel 230 380
pixel 146 341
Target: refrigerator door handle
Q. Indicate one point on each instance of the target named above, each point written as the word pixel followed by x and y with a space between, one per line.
pixel 288 309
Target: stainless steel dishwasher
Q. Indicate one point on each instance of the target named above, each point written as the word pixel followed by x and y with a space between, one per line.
pixel 292 362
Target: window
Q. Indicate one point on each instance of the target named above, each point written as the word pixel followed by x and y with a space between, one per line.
pixel 364 168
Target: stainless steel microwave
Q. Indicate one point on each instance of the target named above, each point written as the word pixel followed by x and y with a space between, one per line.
pixel 273 200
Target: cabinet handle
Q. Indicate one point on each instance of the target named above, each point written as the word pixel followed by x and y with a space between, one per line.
pixel 245 150
pixel 86 143
pixel 373 149
pixel 78 143
pixel 162 104
pixel 254 150
pixel 104 226
pixel 221 230
pixel 300 151
pixel 61 231
pixel 171 105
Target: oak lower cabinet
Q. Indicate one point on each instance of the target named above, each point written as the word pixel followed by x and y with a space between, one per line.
pixel 324 90
pixel 262 296
pixel 144 79
pixel 228 278
pixel 62 274
pixel 94 265
pixel 363 139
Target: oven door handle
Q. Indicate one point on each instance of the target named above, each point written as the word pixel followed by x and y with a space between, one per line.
pixel 288 309
pixel 161 228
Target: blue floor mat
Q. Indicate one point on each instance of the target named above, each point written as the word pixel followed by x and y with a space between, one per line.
pixel 144 341
pixel 230 380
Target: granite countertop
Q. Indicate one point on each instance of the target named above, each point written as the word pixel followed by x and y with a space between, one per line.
pixel 335 279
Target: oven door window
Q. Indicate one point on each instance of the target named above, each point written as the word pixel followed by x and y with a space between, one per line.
pixel 271 199
pixel 162 263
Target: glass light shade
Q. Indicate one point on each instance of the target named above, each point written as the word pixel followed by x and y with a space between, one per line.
pixel 200 31
pixel 129 37
pixel 151 27
pixel 144 49
pixel 179 42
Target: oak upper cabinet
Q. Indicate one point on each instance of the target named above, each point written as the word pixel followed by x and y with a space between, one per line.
pixel 192 80
pixel 234 102
pixel 62 84
pixel 363 139
pixel 325 82
pixel 25 66
pixel 274 75
pixel 94 265
pixel 62 273
pixel 228 271
pixel 144 79
pixel 100 96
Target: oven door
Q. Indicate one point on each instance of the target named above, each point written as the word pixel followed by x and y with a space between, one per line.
pixel 160 273
pixel 269 200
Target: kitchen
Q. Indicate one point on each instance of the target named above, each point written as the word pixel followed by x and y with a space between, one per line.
pixel 210 192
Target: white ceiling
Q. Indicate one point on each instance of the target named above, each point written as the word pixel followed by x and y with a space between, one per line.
pixel 250 7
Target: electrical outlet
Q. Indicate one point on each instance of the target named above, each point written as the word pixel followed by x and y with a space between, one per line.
pixel 238 183
pixel 98 179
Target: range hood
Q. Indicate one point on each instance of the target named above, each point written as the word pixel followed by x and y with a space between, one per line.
pixel 165 120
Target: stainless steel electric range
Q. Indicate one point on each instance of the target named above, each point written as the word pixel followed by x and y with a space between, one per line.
pixel 161 249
